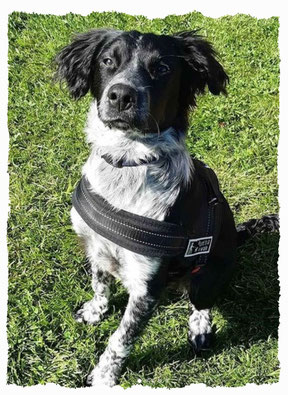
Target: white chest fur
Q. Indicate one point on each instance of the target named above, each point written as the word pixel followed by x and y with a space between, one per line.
pixel 147 190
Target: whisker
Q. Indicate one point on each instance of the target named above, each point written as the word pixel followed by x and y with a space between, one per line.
pixel 173 56
pixel 158 129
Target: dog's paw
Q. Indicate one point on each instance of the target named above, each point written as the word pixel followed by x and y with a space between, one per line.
pixel 101 377
pixel 200 342
pixel 200 332
pixel 90 313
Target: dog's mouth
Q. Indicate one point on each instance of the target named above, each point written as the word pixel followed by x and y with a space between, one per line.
pixel 130 122
pixel 127 126
pixel 125 123
pixel 119 123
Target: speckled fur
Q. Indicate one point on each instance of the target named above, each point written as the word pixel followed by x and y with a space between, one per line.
pixel 145 190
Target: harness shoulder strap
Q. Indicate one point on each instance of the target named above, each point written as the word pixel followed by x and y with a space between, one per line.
pixel 211 180
pixel 215 199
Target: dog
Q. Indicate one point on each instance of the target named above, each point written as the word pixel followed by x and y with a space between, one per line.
pixel 143 86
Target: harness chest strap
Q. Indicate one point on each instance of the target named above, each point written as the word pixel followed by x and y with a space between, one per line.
pixel 136 233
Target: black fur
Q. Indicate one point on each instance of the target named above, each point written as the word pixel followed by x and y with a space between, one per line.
pixel 246 230
pixel 76 62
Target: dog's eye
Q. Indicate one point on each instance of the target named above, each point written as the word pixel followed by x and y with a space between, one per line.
pixel 108 62
pixel 162 69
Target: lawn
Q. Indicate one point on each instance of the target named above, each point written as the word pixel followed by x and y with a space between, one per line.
pixel 49 277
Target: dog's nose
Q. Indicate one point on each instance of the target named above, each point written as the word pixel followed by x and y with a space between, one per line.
pixel 122 97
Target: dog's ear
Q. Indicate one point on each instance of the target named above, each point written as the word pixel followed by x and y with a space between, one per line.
pixel 75 62
pixel 202 66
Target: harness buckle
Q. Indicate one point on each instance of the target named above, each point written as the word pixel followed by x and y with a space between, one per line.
pixel 213 201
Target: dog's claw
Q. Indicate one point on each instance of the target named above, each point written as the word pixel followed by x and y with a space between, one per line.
pixel 89 381
pixel 88 315
pixel 200 342
pixel 101 378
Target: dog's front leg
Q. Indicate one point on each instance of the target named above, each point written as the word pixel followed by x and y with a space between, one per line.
pixel 137 313
pixel 93 311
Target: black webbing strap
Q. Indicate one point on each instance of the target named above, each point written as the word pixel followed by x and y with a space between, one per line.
pixel 214 209
pixel 139 234
pixel 211 181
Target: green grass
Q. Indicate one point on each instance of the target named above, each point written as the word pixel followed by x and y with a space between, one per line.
pixel 48 276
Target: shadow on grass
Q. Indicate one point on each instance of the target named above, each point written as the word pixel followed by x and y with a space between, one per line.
pixel 249 307
pixel 250 304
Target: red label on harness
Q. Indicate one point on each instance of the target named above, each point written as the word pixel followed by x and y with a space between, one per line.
pixel 199 246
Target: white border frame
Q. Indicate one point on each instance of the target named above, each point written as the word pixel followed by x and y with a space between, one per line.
pixel 160 9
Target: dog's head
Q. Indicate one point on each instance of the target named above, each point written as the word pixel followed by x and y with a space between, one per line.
pixel 141 81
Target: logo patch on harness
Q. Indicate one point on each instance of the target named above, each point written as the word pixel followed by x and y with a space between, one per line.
pixel 199 246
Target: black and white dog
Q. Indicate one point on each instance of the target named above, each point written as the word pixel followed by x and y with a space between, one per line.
pixel 143 86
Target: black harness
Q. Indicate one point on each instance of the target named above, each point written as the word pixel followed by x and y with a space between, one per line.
pixel 183 234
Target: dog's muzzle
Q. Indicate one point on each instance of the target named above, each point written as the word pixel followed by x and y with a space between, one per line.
pixel 121 97
pixel 124 107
